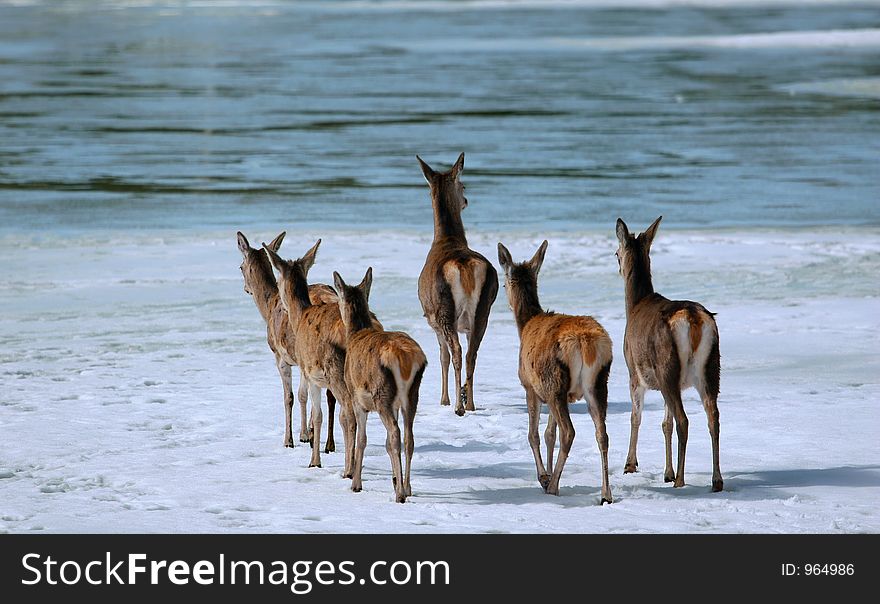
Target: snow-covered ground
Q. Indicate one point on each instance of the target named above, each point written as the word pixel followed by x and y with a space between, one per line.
pixel 137 392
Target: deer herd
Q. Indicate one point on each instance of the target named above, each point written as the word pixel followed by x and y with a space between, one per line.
pixel 340 346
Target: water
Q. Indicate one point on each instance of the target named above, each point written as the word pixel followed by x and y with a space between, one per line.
pixel 227 115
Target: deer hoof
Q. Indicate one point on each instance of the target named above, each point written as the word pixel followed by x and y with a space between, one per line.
pixel 330 448
pixel 606 500
pixel 401 499
pixel 544 480
pixel 348 475
pixel 355 489
pixel 444 402
pixel 314 465
pixel 717 486
pixel 630 468
pixel 679 482
pixel 304 439
pixel 459 411
pixel 669 477
pixel 288 444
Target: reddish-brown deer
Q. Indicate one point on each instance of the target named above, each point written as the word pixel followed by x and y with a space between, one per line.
pixel 319 338
pixel 669 345
pixel 457 285
pixel 562 359
pixel 259 282
pixel 383 372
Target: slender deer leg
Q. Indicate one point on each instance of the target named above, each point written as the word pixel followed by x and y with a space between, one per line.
pixel 409 416
pixel 455 347
pixel 559 407
pixel 669 472
pixel 331 412
pixel 598 410
pixel 534 417
pixel 550 440
pixel 475 337
pixel 637 394
pixel 284 371
pixel 349 430
pixel 302 393
pixel 444 371
pixel 361 417
pixel 392 446
pixel 317 418
pixel 672 396
pixel 710 404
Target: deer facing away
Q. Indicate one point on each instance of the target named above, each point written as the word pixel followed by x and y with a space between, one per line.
pixel 562 359
pixel 319 338
pixel 457 286
pixel 259 282
pixel 383 372
pixel 669 345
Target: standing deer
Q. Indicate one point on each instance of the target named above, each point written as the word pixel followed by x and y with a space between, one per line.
pixel 457 285
pixel 259 282
pixel 562 358
pixel 383 372
pixel 669 345
pixel 319 337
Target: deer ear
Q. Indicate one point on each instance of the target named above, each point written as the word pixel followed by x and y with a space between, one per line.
pixel 426 170
pixel 538 259
pixel 243 246
pixel 308 259
pixel 276 260
pixel 458 167
pixel 504 258
pixel 622 231
pixel 367 283
pixel 275 244
pixel 649 233
pixel 338 284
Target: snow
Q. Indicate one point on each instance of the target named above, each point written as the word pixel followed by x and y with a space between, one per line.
pixel 137 392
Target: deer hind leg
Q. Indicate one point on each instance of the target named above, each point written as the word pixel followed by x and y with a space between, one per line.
pixel 349 424
pixel 669 471
pixel 317 420
pixel 597 398
pixel 637 394
pixel 409 415
pixel 444 370
pixel 331 412
pixel 392 446
pixel 550 440
pixel 455 347
pixel 302 393
pixel 674 406
pixel 475 338
pixel 361 418
pixel 708 388
pixel 534 405
pixel 284 371
pixel 559 407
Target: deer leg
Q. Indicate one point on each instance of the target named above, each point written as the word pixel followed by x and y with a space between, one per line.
pixel 317 419
pixel 409 416
pixel 669 471
pixel 346 421
pixel 598 409
pixel 550 440
pixel 361 418
pixel 672 396
pixel 284 371
pixel 331 412
pixel 444 371
pixel 637 394
pixel 534 405
pixel 710 404
pixel 559 407
pixel 392 446
pixel 455 347
pixel 302 393
pixel 475 338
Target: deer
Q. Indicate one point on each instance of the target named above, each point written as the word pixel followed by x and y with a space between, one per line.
pixel 457 285
pixel 259 283
pixel 383 373
pixel 562 359
pixel 319 338
pixel 669 345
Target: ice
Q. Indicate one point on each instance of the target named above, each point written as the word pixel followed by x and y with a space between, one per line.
pixel 137 392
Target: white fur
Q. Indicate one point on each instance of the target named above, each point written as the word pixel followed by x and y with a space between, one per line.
pixel 692 363
pixel 465 304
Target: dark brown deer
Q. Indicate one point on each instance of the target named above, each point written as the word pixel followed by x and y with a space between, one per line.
pixel 457 285
pixel 259 282
pixel 669 345
pixel 383 372
pixel 562 359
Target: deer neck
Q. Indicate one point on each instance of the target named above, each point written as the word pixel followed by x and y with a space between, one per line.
pixel 266 298
pixel 447 219
pixel 638 284
pixel 359 318
pixel 299 300
pixel 526 306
